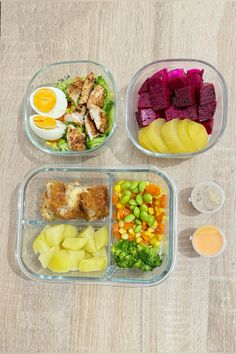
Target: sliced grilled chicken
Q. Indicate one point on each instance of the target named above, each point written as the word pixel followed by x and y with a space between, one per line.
pixel 75 138
pixel 97 97
pixel 99 117
pixel 87 88
pixel 90 127
pixel 75 89
pixel 74 117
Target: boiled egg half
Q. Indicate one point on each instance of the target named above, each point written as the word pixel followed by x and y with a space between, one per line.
pixel 49 101
pixel 47 128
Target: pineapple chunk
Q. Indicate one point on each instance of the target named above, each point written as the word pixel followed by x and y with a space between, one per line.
pixel 93 264
pixel 74 243
pixel 76 257
pixel 40 245
pixel 60 262
pixel 54 235
pixel 46 256
pixel 101 253
pixel 70 231
pixel 101 237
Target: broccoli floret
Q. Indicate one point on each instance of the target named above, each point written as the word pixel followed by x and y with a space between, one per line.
pixel 98 140
pixel 124 253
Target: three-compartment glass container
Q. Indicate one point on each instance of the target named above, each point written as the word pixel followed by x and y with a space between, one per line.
pixel 211 74
pixel 31 223
pixel 49 76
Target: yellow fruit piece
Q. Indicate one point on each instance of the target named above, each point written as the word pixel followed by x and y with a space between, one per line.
pixel 70 231
pixel 144 140
pixel 101 237
pixel 184 136
pixel 40 245
pixel 170 136
pixel 60 262
pixel 101 253
pixel 45 258
pixel 76 257
pixel 54 235
pixel 154 134
pixel 93 264
pixel 74 243
pixel 198 134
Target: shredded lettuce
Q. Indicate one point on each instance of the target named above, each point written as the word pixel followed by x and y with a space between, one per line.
pixel 108 106
pixel 63 85
pixel 91 143
pixel 63 145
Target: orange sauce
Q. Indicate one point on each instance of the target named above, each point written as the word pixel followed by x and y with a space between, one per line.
pixel 208 240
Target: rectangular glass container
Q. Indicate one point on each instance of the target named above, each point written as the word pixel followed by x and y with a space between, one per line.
pixel 30 223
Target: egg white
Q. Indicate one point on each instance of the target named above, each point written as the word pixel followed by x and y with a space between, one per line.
pixel 60 107
pixel 48 134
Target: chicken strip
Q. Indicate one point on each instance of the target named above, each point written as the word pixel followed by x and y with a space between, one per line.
pixel 90 127
pixel 75 138
pixel 75 89
pixel 99 117
pixel 87 88
pixel 95 202
pixel 74 117
pixel 97 97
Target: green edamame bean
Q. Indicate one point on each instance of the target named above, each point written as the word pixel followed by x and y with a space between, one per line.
pixel 125 185
pixel 139 199
pixel 136 212
pixel 135 190
pixel 143 207
pixel 134 184
pixel 147 198
pixel 125 199
pixel 138 229
pixel 129 218
pixel 132 207
pixel 127 192
pixel 137 222
pixel 144 216
pixel 151 220
pixel 132 202
pixel 141 186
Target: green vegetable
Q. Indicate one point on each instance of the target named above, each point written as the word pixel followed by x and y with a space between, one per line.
pixel 138 229
pixel 147 198
pixel 144 216
pixel 141 186
pixel 134 184
pixel 127 192
pixel 132 202
pixel 63 145
pixel 125 199
pixel 129 254
pixel 63 84
pixel 151 220
pixel 137 222
pixel 139 199
pixel 129 218
pixel 136 212
pixel 143 208
pixel 125 185
pixel 98 140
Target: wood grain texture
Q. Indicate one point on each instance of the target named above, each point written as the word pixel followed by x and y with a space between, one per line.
pixel 195 309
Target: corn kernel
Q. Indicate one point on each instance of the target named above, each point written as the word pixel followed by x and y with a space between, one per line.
pixel 119 206
pixel 152 241
pixel 131 231
pixel 125 236
pixel 164 218
pixel 122 231
pixel 151 211
pixel 155 224
pixel 159 237
pixel 117 188
pixel 139 240
pixel 150 229
pixel 120 182
pixel 121 223
pixel 138 234
pixel 147 233
pixel 152 235
pixel 157 209
pixel 157 243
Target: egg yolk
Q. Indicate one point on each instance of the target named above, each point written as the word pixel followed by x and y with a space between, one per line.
pixel 45 122
pixel 45 100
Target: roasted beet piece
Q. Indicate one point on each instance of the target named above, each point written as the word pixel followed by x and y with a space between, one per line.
pixel 206 111
pixel 207 93
pixel 144 101
pixel 208 124
pixel 145 117
pixel 144 87
pixel 185 96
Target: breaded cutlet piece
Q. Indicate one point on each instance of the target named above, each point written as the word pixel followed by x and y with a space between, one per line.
pixel 75 89
pixel 94 202
pixel 97 97
pixel 87 88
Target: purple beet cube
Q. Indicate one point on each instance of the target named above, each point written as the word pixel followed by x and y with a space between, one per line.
pixel 195 77
pixel 207 111
pixel 207 93
pixel 144 101
pixel 208 124
pixel 173 112
pixel 144 87
pixel 177 79
pixel 145 117
pixel 190 113
pixel 185 96
pixel 159 94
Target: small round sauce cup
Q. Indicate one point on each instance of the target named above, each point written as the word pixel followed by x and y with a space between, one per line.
pixel 208 241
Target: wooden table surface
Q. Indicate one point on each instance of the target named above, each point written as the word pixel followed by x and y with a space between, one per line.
pixel 195 309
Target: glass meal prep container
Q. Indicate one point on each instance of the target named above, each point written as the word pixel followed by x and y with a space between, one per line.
pixel 210 75
pixel 30 223
pixel 49 76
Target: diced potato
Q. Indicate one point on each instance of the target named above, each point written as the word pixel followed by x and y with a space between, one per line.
pixel 154 134
pixel 74 243
pixel 184 136
pixel 170 136
pixel 87 255
pixel 54 235
pixel 76 257
pixel 101 237
pixel 70 231
pixel 87 233
pixel 90 246
pixel 93 264
pixel 40 245
pixel 198 134
pixel 60 262
pixel 101 253
pixel 45 258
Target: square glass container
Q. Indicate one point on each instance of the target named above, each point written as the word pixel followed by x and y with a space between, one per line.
pixel 30 223
pixel 210 75
pixel 49 76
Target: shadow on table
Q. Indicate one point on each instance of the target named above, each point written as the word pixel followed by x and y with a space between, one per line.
pixel 185 206
pixel 184 243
